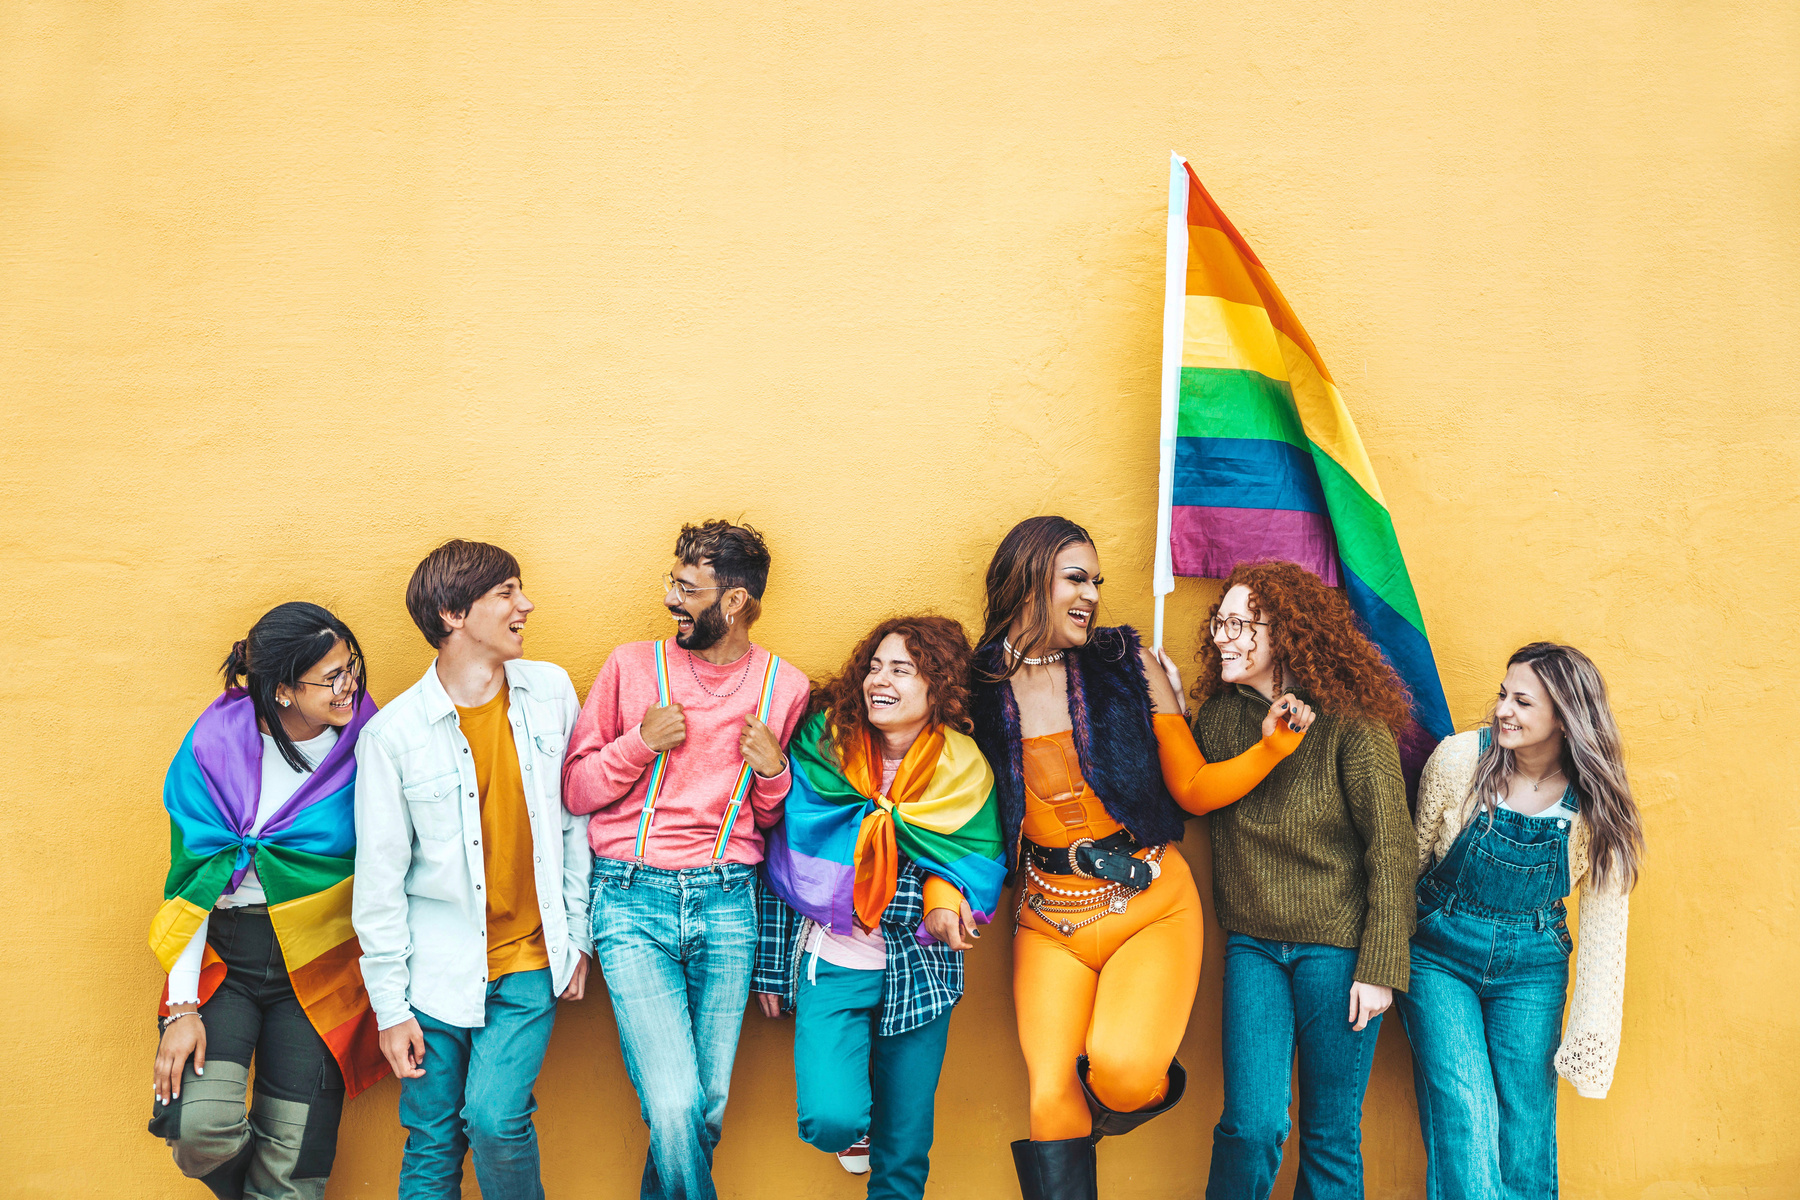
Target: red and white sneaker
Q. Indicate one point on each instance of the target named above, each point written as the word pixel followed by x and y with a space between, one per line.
pixel 856 1159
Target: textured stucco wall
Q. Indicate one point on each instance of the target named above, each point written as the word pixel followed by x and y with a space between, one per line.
pixel 293 291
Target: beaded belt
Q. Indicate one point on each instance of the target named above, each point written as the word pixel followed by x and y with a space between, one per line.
pixel 1057 905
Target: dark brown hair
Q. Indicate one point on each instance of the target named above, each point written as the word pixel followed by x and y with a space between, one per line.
pixel 737 555
pixel 940 648
pixel 451 579
pixel 284 645
pixel 1018 582
pixel 1317 642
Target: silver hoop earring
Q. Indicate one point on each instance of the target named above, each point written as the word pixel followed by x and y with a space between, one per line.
pixel 730 619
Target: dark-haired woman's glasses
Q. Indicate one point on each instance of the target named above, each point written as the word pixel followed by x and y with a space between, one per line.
pixel 1232 627
pixel 343 681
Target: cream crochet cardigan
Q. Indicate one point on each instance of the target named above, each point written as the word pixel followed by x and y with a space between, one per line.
pixel 1590 1045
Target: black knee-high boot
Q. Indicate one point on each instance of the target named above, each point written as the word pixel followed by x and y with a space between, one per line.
pixel 1061 1170
pixel 1108 1123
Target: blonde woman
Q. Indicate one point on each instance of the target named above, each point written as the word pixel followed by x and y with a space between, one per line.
pixel 1512 818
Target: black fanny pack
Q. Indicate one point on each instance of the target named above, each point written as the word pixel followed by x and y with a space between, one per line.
pixel 1110 859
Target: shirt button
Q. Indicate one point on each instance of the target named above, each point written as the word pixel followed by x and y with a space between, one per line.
pixel 465 749
pixel 471 795
pixel 539 858
pixel 528 766
pixel 476 842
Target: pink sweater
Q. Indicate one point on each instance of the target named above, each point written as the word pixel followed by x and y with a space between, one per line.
pixel 607 769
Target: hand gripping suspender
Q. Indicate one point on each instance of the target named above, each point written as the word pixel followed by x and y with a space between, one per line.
pixel 659 770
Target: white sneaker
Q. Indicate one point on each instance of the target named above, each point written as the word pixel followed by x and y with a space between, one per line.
pixel 856 1159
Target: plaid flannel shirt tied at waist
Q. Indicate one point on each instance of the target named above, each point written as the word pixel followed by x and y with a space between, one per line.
pixel 919 984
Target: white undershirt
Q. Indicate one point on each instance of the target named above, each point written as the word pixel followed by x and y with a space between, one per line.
pixel 1558 811
pixel 279 783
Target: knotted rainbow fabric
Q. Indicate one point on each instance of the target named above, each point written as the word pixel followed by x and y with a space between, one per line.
pixel 1262 460
pixel 833 829
pixel 304 856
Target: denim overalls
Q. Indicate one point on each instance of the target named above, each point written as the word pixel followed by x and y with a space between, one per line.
pixel 1490 971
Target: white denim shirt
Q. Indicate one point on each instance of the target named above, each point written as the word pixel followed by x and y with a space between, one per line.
pixel 419 904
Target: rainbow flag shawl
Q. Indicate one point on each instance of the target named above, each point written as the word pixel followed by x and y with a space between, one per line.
pixel 304 857
pixel 1266 462
pixel 952 831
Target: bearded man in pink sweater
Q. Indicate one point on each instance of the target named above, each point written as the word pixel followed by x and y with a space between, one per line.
pixel 677 756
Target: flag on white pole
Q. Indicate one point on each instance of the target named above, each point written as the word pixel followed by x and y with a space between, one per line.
pixel 1174 312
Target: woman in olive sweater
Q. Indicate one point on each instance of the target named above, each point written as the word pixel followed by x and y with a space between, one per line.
pixel 1312 878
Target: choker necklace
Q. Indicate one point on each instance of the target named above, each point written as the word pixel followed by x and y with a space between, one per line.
pixel 1053 656
pixel 749 657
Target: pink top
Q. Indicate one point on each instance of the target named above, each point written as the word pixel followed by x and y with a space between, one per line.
pixel 606 771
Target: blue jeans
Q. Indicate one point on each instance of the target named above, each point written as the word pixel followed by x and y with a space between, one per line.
pixel 676 948
pixel 1484 1017
pixel 1281 997
pixel 851 1081
pixel 476 1091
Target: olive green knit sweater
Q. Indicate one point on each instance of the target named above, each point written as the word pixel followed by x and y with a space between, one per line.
pixel 1322 850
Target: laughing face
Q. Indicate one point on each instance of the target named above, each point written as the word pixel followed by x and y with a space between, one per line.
pixel 694 599
pixel 327 695
pixel 1249 657
pixel 895 693
pixel 1074 596
pixel 1523 714
pixel 496 621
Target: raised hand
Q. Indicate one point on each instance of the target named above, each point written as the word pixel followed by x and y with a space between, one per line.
pixel 664 727
pixel 760 749
pixel 1298 713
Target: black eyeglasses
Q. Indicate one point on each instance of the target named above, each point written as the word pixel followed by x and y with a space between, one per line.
pixel 344 681
pixel 1233 626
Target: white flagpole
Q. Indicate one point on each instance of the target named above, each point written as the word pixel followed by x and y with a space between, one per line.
pixel 1174 324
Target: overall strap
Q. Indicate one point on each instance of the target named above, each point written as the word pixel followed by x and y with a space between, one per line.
pixel 659 770
pixel 765 702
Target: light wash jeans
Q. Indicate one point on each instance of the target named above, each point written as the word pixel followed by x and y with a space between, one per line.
pixel 476 1091
pixel 676 948
pixel 1282 998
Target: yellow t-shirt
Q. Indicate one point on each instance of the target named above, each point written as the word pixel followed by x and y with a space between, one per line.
pixel 515 928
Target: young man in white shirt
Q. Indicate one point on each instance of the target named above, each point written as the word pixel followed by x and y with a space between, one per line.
pixel 471 898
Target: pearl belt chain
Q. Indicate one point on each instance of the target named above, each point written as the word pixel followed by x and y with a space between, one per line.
pixel 1110 899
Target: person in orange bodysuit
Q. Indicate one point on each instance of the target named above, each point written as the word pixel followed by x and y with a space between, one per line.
pixel 1096 770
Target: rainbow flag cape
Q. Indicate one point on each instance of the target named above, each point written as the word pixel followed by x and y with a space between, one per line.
pixel 1260 457
pixel 952 831
pixel 304 857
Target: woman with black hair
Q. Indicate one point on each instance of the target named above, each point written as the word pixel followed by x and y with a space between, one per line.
pixel 254 928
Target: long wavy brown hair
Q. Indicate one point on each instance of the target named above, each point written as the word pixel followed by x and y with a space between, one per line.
pixel 940 647
pixel 1317 642
pixel 1018 582
pixel 1593 761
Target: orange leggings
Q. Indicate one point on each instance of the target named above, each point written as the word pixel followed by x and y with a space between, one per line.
pixel 1119 990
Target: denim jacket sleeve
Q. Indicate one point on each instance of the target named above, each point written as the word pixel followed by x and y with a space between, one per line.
pixel 578 855
pixel 378 910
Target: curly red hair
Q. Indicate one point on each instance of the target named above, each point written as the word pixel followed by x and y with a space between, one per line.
pixel 1318 642
pixel 939 645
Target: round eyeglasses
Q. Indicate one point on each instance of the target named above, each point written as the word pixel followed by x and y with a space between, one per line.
pixel 342 681
pixel 1232 627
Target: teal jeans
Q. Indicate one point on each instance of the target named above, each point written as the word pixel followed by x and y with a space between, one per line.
pixel 852 1081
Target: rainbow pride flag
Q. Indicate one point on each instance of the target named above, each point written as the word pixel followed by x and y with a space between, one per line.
pixel 1260 457
pixel 304 856
pixel 952 830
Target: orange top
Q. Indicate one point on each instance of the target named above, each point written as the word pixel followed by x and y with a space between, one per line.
pixel 1059 807
pixel 515 929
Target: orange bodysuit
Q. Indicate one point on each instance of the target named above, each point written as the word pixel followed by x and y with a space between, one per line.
pixel 1121 987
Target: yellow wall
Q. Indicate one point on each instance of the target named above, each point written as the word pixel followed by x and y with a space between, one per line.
pixel 294 291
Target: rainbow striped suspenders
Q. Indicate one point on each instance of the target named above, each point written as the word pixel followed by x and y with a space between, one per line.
pixel 659 770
